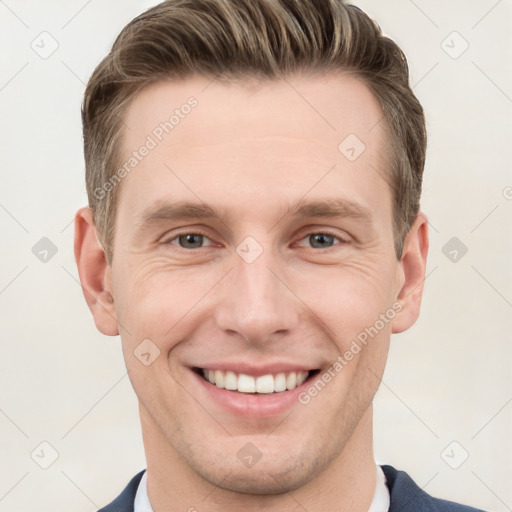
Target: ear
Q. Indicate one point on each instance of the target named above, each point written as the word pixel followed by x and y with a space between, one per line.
pixel 95 273
pixel 411 274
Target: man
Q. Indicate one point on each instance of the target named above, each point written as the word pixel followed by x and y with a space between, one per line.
pixel 281 140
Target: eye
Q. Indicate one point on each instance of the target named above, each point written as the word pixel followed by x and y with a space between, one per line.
pixel 322 240
pixel 189 240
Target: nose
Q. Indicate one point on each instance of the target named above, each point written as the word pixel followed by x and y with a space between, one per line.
pixel 255 301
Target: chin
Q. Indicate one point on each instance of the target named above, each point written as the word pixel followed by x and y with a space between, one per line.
pixel 262 481
pixel 278 475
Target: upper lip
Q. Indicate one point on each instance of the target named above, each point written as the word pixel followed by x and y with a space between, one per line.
pixel 257 370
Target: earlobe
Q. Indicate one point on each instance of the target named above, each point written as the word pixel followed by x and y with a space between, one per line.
pixel 95 273
pixel 412 267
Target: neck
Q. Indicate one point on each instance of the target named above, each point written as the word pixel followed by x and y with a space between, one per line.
pixel 347 484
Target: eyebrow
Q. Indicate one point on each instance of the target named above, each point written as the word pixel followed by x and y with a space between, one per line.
pixel 184 210
pixel 329 208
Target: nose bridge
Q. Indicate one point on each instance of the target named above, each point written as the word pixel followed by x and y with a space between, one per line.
pixel 255 303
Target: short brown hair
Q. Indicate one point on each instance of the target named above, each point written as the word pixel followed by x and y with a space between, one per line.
pixel 251 38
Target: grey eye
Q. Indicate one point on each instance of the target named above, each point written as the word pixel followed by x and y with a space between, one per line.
pixel 190 240
pixel 321 240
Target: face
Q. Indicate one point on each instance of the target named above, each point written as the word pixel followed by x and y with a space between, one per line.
pixel 254 246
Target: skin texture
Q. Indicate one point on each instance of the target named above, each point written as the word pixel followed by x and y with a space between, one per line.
pixel 250 150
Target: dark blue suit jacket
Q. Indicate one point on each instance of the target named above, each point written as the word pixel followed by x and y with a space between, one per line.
pixel 406 496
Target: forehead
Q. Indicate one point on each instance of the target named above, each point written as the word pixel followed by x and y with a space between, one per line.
pixel 278 137
pixel 319 106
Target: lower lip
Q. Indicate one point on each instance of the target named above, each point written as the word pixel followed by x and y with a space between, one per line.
pixel 249 405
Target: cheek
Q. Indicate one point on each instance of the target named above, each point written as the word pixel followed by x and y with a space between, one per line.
pixel 349 297
pixel 154 299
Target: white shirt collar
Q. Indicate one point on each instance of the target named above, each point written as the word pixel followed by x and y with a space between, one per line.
pixel 381 497
pixel 141 503
pixel 380 501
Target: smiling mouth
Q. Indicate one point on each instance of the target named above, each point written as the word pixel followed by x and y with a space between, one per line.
pixel 263 384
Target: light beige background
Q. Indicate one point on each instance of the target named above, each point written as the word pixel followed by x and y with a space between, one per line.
pixel 448 379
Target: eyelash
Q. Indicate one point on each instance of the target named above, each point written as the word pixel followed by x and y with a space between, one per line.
pixel 323 232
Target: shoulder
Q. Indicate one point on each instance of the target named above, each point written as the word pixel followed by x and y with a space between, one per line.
pixel 406 496
pixel 124 502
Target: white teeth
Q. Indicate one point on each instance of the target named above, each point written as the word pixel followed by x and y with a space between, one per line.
pixel 265 384
pixel 248 384
pixel 219 379
pixel 230 381
pixel 301 377
pixel 280 382
pixel 291 381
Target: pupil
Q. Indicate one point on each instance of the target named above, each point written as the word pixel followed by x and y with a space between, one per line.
pixel 322 239
pixel 189 240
